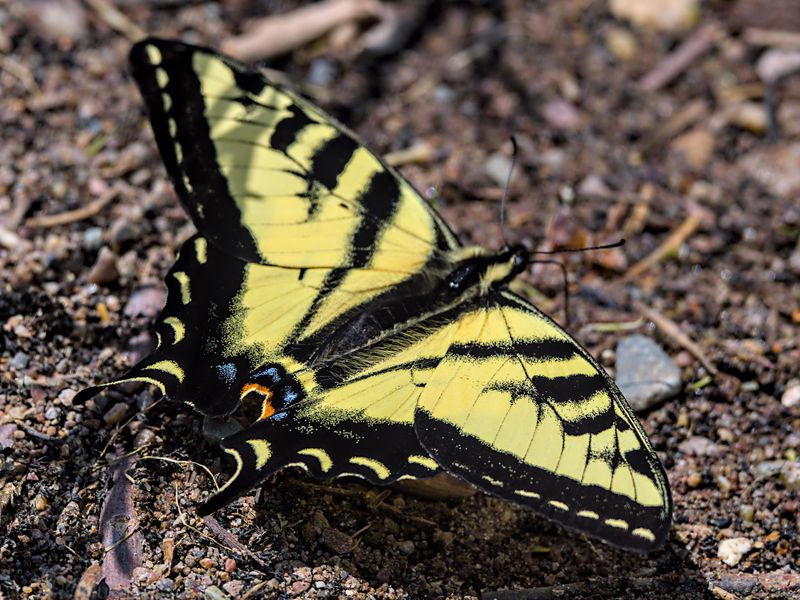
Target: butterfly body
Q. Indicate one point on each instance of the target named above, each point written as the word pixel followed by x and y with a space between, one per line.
pixel 327 307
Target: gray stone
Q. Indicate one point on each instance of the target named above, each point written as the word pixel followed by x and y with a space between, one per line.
pixel 20 361
pixel 646 374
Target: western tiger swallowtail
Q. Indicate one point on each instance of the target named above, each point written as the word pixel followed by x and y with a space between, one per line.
pixel 323 290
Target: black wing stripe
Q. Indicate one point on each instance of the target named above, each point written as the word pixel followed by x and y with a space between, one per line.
pixel 331 159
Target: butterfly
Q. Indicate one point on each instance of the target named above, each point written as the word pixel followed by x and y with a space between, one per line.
pixel 326 305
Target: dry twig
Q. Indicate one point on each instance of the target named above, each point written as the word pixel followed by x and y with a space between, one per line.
pixel 231 540
pixel 111 16
pixel 84 212
pixel 279 34
pixel 669 246
pixel 690 114
pixel 684 56
pixel 674 332
pixel 789 40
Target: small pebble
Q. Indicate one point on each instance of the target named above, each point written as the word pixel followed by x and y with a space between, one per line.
pixel 20 361
pixel 116 413
pixel 731 551
pixel 212 592
pixel 694 479
pixel 104 269
pixel 52 413
pixel 406 547
pixel 698 446
pixel 621 43
pixel 39 502
pixel 561 114
pixel 646 374
pixel 147 301
pixel 747 512
pixel 336 541
pixel 790 475
pixel 661 15
pixel 93 238
pixel 497 167
pixel 791 397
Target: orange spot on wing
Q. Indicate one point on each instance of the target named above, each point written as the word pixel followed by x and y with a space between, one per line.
pixel 267 410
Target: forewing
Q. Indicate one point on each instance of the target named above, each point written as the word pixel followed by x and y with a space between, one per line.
pixel 271 178
pixel 519 409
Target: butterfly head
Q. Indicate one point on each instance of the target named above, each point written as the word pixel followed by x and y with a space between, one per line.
pixel 505 266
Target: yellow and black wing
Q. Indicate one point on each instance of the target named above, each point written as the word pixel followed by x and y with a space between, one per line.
pixel 521 410
pixel 498 395
pixel 270 178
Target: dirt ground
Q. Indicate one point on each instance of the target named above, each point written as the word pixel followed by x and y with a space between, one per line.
pixel 682 138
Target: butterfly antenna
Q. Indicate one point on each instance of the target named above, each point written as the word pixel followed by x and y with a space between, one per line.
pixel 504 199
pixel 618 244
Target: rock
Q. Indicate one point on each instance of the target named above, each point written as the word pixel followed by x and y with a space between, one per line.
pixel 698 446
pixel 93 238
pixel 212 592
pixel 104 269
pixel 593 185
pixel 777 168
pixel 621 43
pixel 234 588
pixel 406 547
pixel 747 513
pixel 694 147
pixel 751 116
pixel 776 63
pixel 561 114
pixel 742 584
pixel 497 167
pixel 646 374
pixel 61 20
pixel 337 541
pixel 767 468
pixel 146 301
pixel 661 15
pixel 20 361
pixel 791 396
pixel 790 475
pixel 7 432
pixel 116 413
pixel 733 550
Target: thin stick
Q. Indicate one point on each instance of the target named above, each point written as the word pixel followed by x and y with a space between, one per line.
pixel 79 214
pixel 227 537
pixel 673 330
pixel 117 20
pixel 183 463
pixel 790 40
pixel 683 57
pixel 669 246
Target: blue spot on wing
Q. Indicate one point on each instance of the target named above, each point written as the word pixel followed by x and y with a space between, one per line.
pixel 227 373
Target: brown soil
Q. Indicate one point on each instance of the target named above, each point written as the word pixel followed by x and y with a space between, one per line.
pixel 600 157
